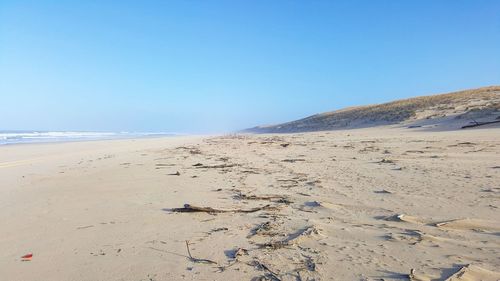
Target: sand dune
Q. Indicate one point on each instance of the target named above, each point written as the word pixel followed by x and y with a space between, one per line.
pixel 437 112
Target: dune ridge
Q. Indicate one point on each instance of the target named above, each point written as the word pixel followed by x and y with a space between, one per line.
pixel 444 111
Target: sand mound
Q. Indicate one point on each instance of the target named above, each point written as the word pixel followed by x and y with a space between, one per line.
pixel 473 273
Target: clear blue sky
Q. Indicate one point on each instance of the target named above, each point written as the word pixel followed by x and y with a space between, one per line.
pixel 214 66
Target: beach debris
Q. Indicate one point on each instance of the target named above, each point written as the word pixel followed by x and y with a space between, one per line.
pixel 27 257
pixel 220 166
pixel 383 191
pixel 250 172
pixel 284 144
pixel 174 174
pixel 262 229
pixel 312 204
pixel 273 198
pixel 386 161
pixel 86 226
pixel 235 253
pixel 292 238
pixel 195 209
pixel 270 275
pixel 414 151
pixel 479 124
pixel 404 218
pixel 218 230
pixel 309 263
pixel 197 260
pixel 293 160
pixel 493 189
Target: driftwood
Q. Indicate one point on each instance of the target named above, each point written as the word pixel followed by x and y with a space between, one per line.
pixel 191 258
pixel 273 198
pixel 195 209
pixel 250 172
pixel 293 160
pixel 271 274
pixel 221 166
pixel 477 124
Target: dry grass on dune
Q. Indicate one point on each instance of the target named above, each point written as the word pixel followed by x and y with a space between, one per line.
pixel 482 99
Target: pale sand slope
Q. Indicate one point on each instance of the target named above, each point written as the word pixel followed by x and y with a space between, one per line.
pixel 367 204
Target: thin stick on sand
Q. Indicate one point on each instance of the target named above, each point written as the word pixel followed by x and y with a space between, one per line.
pixel 191 258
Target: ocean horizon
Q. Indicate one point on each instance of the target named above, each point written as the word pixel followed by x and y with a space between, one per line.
pixel 38 136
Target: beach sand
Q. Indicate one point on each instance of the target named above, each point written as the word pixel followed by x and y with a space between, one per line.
pixel 369 204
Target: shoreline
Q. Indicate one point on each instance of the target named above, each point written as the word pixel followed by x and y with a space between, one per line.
pixel 84 139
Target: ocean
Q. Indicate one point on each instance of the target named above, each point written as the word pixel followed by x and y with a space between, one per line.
pixel 17 137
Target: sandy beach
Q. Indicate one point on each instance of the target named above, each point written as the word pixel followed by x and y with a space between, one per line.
pixel 369 204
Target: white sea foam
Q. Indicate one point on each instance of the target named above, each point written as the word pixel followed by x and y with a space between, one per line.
pixel 13 137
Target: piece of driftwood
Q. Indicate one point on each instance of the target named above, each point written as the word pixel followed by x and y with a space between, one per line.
pixel 221 166
pixel 191 258
pixel 271 274
pixel 83 227
pixel 250 172
pixel 480 124
pixel 188 208
pixel 467 143
pixel 383 191
pixel 271 197
pixel 293 160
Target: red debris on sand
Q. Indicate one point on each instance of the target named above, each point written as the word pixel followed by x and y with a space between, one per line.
pixel 27 257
